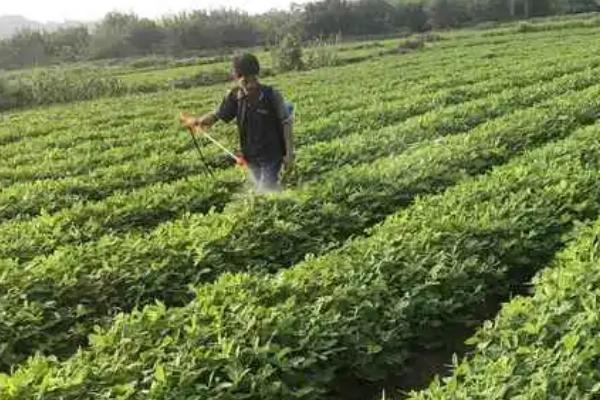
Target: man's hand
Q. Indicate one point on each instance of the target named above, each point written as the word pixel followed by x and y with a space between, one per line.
pixel 191 123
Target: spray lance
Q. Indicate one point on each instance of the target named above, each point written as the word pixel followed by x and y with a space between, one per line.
pixel 239 159
pixel 207 169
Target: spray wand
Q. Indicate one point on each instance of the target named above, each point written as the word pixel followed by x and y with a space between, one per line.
pixel 239 159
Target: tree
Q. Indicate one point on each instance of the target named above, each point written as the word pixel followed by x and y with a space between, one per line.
pixel 371 16
pixel 531 8
pixel 110 40
pixel 145 36
pixel 287 56
pixel 411 15
pixel 326 18
pixel 233 29
pixel 123 35
pixel 25 48
pixel 489 10
pixel 68 44
pixel 577 6
pixel 274 25
pixel 446 13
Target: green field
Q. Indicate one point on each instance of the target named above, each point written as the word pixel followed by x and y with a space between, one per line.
pixel 431 187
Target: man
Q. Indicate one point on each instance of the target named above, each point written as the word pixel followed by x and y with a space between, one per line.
pixel 264 123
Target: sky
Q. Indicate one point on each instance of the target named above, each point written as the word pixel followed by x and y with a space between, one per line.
pixel 86 10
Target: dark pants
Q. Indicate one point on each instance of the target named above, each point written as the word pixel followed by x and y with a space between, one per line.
pixel 265 174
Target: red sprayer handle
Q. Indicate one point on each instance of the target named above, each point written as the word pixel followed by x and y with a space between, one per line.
pixel 241 161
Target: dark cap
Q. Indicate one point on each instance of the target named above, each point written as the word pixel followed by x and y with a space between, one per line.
pixel 245 65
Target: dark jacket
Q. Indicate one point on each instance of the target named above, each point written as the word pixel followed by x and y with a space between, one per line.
pixel 260 125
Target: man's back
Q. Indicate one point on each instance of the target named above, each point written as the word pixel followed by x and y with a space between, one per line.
pixel 260 118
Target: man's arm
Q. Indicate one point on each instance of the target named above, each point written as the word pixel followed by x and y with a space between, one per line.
pixel 227 111
pixel 207 120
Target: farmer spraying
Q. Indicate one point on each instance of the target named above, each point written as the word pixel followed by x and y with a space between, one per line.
pixel 264 122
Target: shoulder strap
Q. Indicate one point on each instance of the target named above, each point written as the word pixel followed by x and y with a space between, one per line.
pixel 241 104
pixel 241 113
pixel 268 92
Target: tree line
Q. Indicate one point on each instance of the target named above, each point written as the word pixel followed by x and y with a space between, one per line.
pixel 121 35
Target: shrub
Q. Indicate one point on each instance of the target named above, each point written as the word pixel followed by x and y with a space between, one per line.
pixel 321 54
pixel 525 26
pixel 417 42
pixel 287 56
pixel 57 85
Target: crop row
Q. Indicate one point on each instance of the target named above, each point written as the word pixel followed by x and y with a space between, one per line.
pixel 141 125
pixel 89 158
pixel 28 150
pixel 360 311
pixel 380 114
pixel 30 125
pixel 55 301
pixel 28 199
pixel 150 205
pixel 544 346
pixel 80 122
pixel 367 146
pixel 473 38
pixel 145 135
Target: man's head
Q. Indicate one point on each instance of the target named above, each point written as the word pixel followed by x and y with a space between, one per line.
pixel 245 70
